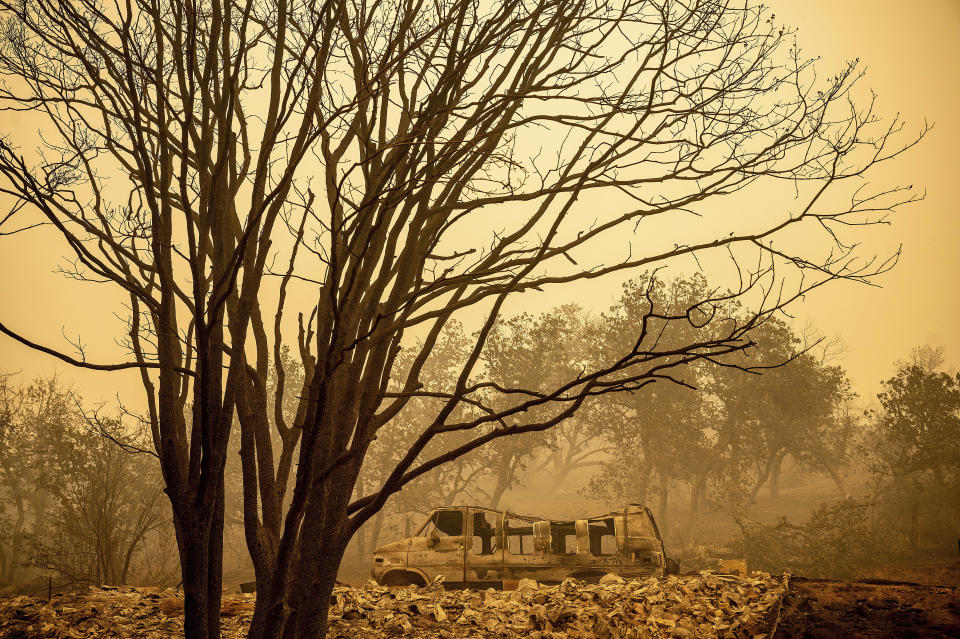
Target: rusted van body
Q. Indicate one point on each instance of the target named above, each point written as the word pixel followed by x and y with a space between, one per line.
pixel 482 548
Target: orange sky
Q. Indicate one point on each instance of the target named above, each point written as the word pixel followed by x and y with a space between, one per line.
pixel 912 53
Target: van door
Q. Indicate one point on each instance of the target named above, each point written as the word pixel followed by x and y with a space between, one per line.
pixel 522 555
pixel 639 542
pixel 438 548
pixel 484 550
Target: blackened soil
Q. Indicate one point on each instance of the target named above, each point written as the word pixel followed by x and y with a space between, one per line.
pixel 822 609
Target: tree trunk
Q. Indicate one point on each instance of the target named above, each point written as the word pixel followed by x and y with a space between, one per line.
pixel 664 523
pixel 764 476
pixel 564 461
pixel 377 529
pixel 831 468
pixel 295 605
pixel 837 480
pixel 914 524
pixel 775 472
pixel 694 512
pixel 697 492
pixel 504 478
pixel 201 562
pixel 314 588
pixel 561 472
pixel 15 538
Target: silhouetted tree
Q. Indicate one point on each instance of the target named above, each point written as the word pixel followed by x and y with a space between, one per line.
pixel 33 418
pixel 535 353
pixel 797 410
pixel 658 434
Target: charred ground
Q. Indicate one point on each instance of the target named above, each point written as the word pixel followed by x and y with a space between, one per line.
pixel 702 605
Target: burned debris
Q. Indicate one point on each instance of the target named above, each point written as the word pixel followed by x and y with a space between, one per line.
pixel 705 605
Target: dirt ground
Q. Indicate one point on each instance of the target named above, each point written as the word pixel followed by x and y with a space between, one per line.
pixel 820 609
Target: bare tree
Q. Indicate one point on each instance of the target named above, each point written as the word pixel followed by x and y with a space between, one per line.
pixel 32 418
pixel 404 162
pixel 106 504
pixel 79 505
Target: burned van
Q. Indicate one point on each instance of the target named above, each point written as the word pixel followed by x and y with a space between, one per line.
pixel 482 548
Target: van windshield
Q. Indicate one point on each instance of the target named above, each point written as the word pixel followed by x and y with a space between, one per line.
pixel 447 523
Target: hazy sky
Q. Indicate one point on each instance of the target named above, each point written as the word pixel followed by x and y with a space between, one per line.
pixel 911 52
pixel 912 55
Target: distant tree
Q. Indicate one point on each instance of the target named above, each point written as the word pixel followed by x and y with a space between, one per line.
pixel 463 478
pixel 535 353
pixel 919 425
pixel 657 434
pixel 721 431
pixel 914 448
pixel 33 418
pixel 80 502
pixel 578 443
pixel 927 357
pixel 656 444
pixel 793 411
pixel 106 503
pixel 800 410
pixel 565 342
pixel 835 446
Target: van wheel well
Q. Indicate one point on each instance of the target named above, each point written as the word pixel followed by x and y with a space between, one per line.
pixel 402 578
pixel 589 576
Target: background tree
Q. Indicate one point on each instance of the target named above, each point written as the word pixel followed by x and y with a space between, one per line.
pixel 910 511
pixel 657 433
pixel 729 436
pixel 461 480
pixel 385 151
pixel 657 442
pixel 83 508
pixel 795 411
pixel 536 353
pixel 914 449
pixel 33 417
pixel 107 510
pixel 573 446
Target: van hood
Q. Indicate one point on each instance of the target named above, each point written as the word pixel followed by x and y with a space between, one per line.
pixel 394 546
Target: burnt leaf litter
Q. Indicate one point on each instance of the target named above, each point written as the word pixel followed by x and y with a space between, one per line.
pixel 704 605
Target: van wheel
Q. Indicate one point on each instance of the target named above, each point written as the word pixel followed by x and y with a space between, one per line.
pixel 402 578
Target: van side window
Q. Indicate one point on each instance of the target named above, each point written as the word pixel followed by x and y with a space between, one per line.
pixel 446 523
pixel 519 535
pixel 603 540
pixel 563 537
